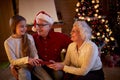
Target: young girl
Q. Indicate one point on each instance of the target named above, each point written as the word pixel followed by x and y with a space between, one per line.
pixel 21 51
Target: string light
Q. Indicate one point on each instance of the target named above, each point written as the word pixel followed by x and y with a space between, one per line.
pixel 77 10
pixel 78 4
pixel 107 40
pixel 93 37
pixel 97 10
pixel 98 34
pixel 88 19
pixel 103 20
pixel 112 39
pixel 107 30
pixel 99 16
pixel 103 36
pixel 95 15
pixel 93 1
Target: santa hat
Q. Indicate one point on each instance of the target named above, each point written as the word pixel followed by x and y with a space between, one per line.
pixel 44 16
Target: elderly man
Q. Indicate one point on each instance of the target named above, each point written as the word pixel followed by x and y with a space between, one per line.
pixel 49 43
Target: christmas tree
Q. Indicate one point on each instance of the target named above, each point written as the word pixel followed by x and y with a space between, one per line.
pixel 90 11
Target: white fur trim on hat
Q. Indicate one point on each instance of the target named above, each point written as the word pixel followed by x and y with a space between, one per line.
pixel 34 29
pixel 44 17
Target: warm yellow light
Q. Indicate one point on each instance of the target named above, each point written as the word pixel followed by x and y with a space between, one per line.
pixel 112 39
pixel 99 16
pixel 81 18
pixel 106 26
pixel 97 1
pixel 76 9
pixel 93 1
pixel 107 40
pixel 97 10
pixel 82 0
pixel 103 36
pixel 96 6
pixel 92 37
pixel 78 4
pixel 95 15
pixel 107 30
pixel 110 32
pixel 103 20
pixel 83 14
pixel 106 21
pixel 78 13
pixel 88 19
pixel 98 34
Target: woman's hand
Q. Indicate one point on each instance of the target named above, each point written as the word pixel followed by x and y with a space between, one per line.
pixel 56 66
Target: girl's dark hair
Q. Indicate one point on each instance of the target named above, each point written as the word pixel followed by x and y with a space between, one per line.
pixel 25 46
pixel 14 21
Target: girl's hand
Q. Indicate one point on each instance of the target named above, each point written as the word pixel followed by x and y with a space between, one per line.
pixel 38 61
pixel 34 62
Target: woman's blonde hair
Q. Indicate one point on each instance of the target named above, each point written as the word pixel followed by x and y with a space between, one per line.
pixel 84 28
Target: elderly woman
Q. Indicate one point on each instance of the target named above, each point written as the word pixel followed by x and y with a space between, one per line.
pixel 82 61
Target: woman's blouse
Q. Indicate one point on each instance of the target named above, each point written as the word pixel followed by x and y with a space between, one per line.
pixel 81 61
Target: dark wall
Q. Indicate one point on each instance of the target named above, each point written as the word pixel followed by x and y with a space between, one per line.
pixel 6 12
pixel 66 13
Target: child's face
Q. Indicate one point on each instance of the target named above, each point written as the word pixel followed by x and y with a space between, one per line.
pixel 21 28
